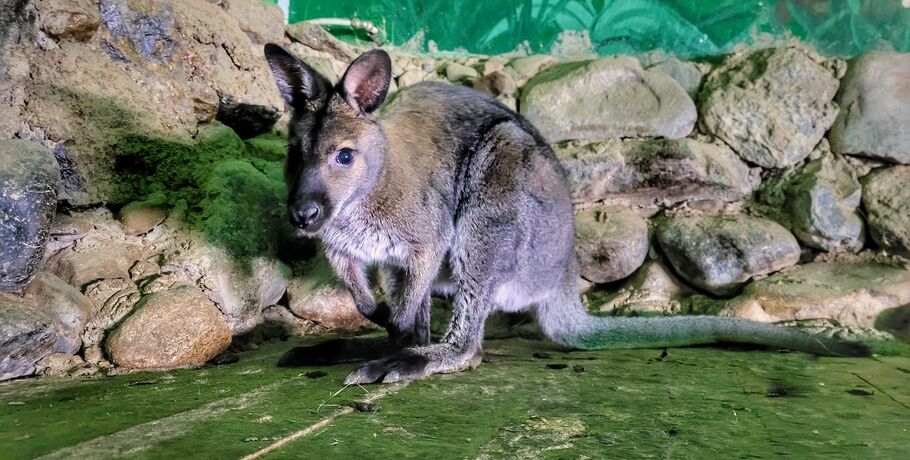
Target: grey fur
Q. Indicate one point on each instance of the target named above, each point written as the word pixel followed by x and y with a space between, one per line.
pixel 453 182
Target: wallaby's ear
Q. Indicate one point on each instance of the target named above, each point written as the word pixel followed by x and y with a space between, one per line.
pixel 297 82
pixel 366 82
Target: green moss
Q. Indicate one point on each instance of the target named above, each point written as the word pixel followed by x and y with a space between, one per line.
pixel 688 403
pixel 231 191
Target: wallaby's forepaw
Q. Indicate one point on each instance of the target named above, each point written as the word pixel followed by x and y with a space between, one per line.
pixel 413 364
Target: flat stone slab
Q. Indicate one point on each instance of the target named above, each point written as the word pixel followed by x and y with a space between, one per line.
pixel 649 173
pixel 850 294
pixel 695 403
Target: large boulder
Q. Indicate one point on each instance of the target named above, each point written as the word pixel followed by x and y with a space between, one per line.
pixel 772 105
pixel 320 297
pixel 175 328
pixel 720 253
pixel 821 201
pixel 153 69
pixel 26 336
pixel 654 172
pixel 28 198
pixel 886 199
pixel 848 293
pixel 874 120
pixel 611 97
pixel 611 243
pixel 67 308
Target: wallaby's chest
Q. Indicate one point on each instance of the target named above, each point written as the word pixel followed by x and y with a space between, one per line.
pixel 365 240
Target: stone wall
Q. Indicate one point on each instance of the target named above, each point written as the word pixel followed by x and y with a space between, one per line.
pixel 142 206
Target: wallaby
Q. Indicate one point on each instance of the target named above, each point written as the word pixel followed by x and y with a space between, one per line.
pixel 446 180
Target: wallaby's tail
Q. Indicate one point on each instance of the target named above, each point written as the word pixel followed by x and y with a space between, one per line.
pixel 574 327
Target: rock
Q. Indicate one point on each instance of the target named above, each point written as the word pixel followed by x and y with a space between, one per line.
pixel 652 289
pixel 851 294
pixel 248 120
pixel 65 231
pixel 240 289
pixel 874 120
pixel 320 297
pixel 112 300
pixel 526 67
pixel 73 19
pixel 607 98
pixel 28 198
pixel 611 243
pixel 176 328
pixel 496 84
pixel 262 21
pixel 822 199
pixel 290 323
pixel 687 74
pixel 719 254
pixel 67 308
pixel 138 218
pixel 654 172
pixel 456 72
pixel 493 64
pixel 26 336
pixel 102 254
pixel 886 199
pixel 772 106
pixel 152 71
pixel 411 77
pixel 317 39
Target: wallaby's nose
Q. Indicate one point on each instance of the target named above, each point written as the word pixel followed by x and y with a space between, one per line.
pixel 305 215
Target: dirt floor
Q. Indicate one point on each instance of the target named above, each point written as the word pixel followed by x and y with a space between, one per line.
pixel 528 400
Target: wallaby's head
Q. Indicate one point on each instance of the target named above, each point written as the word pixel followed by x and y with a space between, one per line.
pixel 336 148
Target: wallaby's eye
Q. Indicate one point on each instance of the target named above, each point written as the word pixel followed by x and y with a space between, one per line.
pixel 345 157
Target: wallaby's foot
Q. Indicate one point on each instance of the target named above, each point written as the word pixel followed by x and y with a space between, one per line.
pixel 415 363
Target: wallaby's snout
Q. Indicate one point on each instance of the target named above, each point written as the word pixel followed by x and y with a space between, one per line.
pixel 307 214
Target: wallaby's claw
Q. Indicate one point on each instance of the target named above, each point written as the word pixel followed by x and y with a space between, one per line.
pixel 414 364
pixel 404 365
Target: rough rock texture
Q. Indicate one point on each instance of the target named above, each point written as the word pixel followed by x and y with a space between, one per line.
pixel 320 297
pixel 74 19
pixel 851 294
pixel 153 68
pixel 263 22
pixel 607 98
pixel 655 172
pixel 874 120
pixel 821 201
pixel 241 292
pixel 175 328
pixel 140 218
pixel 687 74
pixel 26 335
pixel 611 243
pixel 67 308
pixel 773 105
pixel 28 197
pixel 652 289
pixel 721 253
pixel 886 199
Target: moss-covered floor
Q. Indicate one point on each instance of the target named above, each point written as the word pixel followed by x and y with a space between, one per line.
pixel 521 403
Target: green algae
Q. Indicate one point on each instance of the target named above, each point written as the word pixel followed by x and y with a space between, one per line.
pixel 686 403
pixel 231 191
